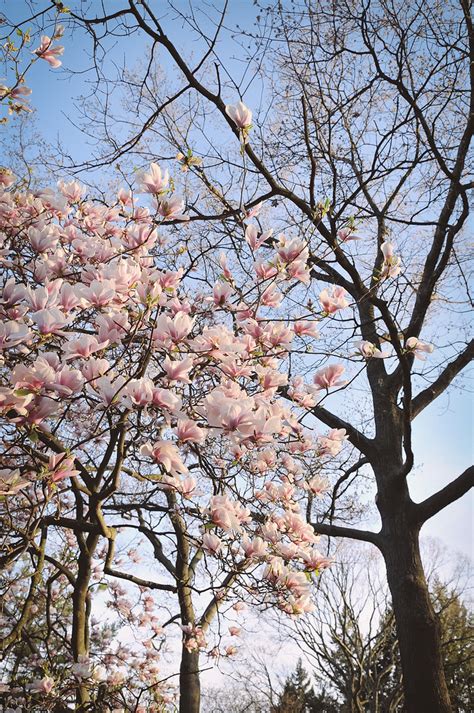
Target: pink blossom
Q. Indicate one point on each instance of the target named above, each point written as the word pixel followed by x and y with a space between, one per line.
pixel 172 209
pixel 369 351
pixel 254 238
pixel 13 333
pixel 175 329
pixel 334 301
pixel 82 667
pixel 189 432
pixel 178 369
pixel 317 485
pixel 253 212
pixel 73 190
pixel 11 482
pixel 347 234
pixel 289 251
pixel 211 543
pixel 272 297
pixel 61 466
pixel 50 321
pixel 392 263
pixel 419 349
pixel 165 399
pixel 44 685
pixel 125 197
pixel 139 391
pixel 332 443
pixel 43 239
pixel 48 53
pixel 240 115
pixel 329 377
pixel 254 549
pixel 166 454
pixel 99 293
pixel 7 177
pixel 83 347
pixel 186 487
pixel 154 181
pixel 227 514
pixel 315 560
pixel 109 389
pixel 306 328
pixel 221 293
pixel 225 268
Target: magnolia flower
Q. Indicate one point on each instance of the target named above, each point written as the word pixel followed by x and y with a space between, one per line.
pixel 347 234
pixel 166 454
pixel 11 482
pixel 82 667
pixel 83 347
pixel 211 543
pixel 329 377
pixel 139 391
pixel 43 685
pixel 317 485
pixel 154 181
pixel 306 328
pixel 48 53
pixel 61 466
pixel 178 369
pixel 254 211
pixel 50 321
pixel 254 549
pixel 334 301
pixel 254 238
pixel 418 349
pixel 189 432
pixel 7 177
pixel 172 209
pixel 221 293
pixel 332 443
pixel 369 351
pixel 240 115
pixel 392 263
pixel 13 333
pixel 73 190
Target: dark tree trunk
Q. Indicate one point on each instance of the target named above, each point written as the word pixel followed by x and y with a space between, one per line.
pixel 417 624
pixel 189 684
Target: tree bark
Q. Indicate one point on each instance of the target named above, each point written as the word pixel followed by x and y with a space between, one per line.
pixel 417 624
pixel 189 683
pixel 80 615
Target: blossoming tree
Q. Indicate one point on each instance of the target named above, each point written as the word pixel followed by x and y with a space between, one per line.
pixel 137 400
pixel 154 386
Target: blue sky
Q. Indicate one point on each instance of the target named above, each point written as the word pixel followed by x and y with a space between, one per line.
pixel 442 434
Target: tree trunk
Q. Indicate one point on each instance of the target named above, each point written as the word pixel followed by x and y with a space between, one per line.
pixel 417 624
pixel 189 684
pixel 80 616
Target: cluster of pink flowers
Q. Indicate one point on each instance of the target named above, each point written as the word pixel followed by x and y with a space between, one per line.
pixel 104 330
